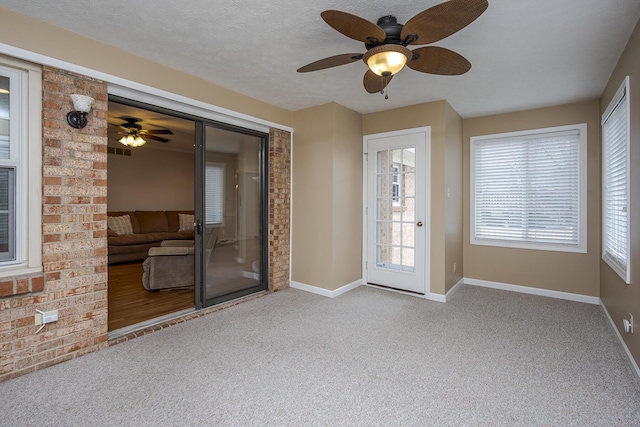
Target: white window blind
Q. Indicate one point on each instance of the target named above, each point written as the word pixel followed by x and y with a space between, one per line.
pixel 528 189
pixel 615 175
pixel 214 193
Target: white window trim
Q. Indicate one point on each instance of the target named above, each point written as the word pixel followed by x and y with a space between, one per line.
pixel 581 246
pixel 29 180
pixel 624 273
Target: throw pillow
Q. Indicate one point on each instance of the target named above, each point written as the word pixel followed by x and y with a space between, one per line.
pixel 120 224
pixel 186 222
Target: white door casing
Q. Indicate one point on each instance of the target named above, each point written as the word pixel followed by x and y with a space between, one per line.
pixel 396 218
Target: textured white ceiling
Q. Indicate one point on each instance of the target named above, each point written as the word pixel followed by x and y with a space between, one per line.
pixel 525 53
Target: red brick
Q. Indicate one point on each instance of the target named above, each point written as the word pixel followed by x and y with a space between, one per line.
pixel 37 283
pixel 6 288
pixel 22 286
pixel 49 238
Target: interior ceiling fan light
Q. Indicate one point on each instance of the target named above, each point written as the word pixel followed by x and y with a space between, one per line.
pixel 132 141
pixel 387 60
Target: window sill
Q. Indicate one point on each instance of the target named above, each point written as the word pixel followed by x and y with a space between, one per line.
pixel 531 246
pixel 21 283
pixel 620 271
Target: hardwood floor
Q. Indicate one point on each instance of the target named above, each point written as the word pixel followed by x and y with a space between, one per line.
pixel 131 303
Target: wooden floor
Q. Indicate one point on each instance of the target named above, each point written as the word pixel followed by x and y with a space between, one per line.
pixel 131 303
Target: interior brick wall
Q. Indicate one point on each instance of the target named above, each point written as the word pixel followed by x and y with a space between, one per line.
pixel 74 237
pixel 74 278
pixel 279 208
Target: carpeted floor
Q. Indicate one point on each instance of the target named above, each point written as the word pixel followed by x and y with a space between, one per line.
pixel 369 357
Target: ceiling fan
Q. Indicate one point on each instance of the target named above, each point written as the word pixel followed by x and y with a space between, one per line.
pixel 133 134
pixel 387 41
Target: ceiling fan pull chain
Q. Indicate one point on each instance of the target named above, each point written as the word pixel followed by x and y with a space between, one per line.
pixel 386 95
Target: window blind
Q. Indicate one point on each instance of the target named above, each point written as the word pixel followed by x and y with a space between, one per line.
pixel 616 187
pixel 214 193
pixel 526 189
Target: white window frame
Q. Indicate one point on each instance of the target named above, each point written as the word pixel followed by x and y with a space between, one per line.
pixel 223 167
pixel 581 246
pixel 623 268
pixel 26 157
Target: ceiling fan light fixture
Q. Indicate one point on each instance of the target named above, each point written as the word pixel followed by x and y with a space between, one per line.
pixel 387 60
pixel 132 141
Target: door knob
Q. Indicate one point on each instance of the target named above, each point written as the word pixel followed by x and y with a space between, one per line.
pixel 419 224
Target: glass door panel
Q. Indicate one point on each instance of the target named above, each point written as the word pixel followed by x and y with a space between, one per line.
pixel 233 221
pixel 395 198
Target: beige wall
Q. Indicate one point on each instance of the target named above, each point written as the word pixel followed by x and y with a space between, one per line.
pixel 347 196
pixel 312 198
pixel 327 197
pixel 453 199
pixel 151 179
pixel 431 114
pixel 619 298
pixel 36 36
pixel 559 271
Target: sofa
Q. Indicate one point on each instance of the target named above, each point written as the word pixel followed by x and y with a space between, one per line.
pixel 169 266
pixel 131 234
pixel 172 265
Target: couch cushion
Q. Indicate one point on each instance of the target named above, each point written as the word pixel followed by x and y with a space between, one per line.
pixel 132 239
pixel 174 219
pixel 152 221
pixel 121 225
pixel 134 221
pixel 186 222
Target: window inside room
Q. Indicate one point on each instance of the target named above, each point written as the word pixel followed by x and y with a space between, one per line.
pixel 528 189
pixel 20 167
pixel 615 183
pixel 214 193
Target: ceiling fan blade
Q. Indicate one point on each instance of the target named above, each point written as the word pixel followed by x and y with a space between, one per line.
pixel 374 83
pixel 156 138
pixel 158 131
pixel 353 26
pixel 438 60
pixel 442 20
pixel 332 61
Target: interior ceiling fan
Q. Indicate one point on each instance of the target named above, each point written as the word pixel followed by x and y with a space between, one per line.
pixel 386 43
pixel 134 135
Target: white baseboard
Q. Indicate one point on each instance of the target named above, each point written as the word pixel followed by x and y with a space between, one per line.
pixel 533 291
pixel 325 292
pixel 435 297
pixel 634 365
pixel 447 296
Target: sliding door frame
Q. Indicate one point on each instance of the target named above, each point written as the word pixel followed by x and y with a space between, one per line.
pixel 200 262
pixel 199 159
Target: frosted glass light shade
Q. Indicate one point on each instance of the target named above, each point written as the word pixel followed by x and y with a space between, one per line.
pixel 82 103
pixel 132 141
pixel 387 60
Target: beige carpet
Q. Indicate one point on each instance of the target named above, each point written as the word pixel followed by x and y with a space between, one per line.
pixel 369 357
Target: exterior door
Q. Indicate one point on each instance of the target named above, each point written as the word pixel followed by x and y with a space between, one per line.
pixel 397 223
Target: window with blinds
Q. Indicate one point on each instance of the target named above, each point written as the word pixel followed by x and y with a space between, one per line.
pixel 528 189
pixel 214 193
pixel 615 183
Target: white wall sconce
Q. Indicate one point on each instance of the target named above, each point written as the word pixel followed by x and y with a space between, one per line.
pixel 82 105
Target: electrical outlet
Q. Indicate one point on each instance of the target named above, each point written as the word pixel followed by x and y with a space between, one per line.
pixel 454 267
pixel 44 317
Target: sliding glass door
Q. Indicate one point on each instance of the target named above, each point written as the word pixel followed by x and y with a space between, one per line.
pixel 231 213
